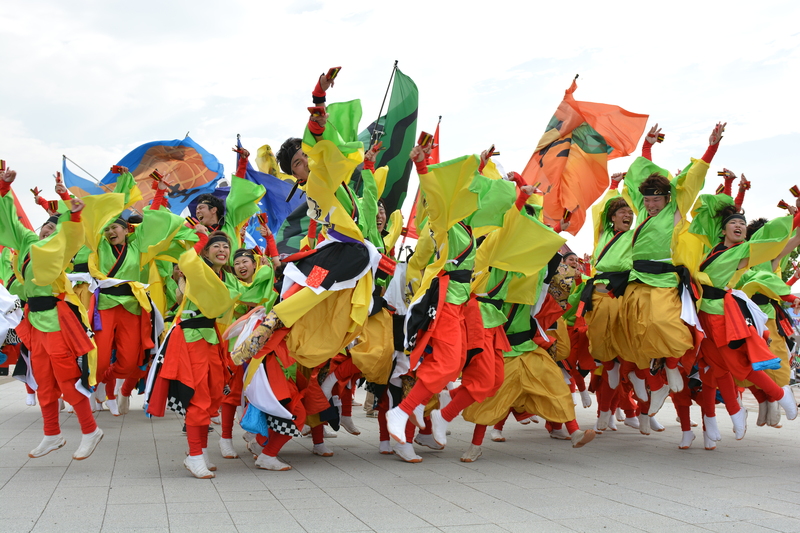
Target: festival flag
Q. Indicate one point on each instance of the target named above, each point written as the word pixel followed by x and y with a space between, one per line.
pixel 77 185
pixel 410 230
pixel 397 130
pixel 292 231
pixel 570 161
pixel 186 165
pixel 23 218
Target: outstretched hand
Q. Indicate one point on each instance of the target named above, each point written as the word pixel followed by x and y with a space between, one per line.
pixel 652 135
pixel 76 205
pixel 618 176
pixel 324 82
pixel 9 175
pixel 417 154
pixel 716 133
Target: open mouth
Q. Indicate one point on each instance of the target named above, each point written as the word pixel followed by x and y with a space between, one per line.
pixel 222 257
pixel 242 272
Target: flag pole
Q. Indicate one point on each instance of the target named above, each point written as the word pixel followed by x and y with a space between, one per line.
pixel 106 187
pixel 416 200
pixel 385 95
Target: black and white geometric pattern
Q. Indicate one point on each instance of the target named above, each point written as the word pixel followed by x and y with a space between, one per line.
pixel 283 426
pixel 174 404
pixel 178 397
pixel 11 337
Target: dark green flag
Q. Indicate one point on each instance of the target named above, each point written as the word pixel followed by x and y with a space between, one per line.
pixel 399 135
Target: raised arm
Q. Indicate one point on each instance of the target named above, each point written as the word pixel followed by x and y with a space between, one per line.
pixel 652 137
pixel 12 233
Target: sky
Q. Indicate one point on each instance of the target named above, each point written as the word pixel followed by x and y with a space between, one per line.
pixel 94 79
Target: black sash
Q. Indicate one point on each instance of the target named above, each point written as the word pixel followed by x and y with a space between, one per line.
pixel 38 304
pixel 123 289
pixel 200 322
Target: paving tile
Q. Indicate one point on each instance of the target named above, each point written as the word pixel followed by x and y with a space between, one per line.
pixel 16 525
pixel 313 521
pixel 135 515
pixel 199 520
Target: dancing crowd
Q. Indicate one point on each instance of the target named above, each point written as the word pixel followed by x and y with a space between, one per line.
pixel 491 315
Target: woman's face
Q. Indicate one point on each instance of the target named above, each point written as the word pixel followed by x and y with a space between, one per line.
pixel 115 234
pixel 622 219
pixel 244 268
pixel 381 219
pixel 218 253
pixel 735 231
pixel 571 261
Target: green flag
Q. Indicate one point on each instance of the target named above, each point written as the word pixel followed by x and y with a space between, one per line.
pixel 399 127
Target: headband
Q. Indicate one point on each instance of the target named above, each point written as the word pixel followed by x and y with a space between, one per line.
pixel 653 191
pixel 218 238
pixel 733 217
pixel 121 221
pixel 244 252
pixel 53 219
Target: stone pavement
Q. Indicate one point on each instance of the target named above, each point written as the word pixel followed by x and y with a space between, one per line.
pixel 623 481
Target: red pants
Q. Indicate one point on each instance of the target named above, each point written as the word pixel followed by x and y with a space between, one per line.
pixel 209 379
pixel 448 349
pixel 121 332
pixel 56 372
pixel 485 371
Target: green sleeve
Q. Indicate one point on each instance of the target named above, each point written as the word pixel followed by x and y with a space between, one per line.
pixel 368 210
pixel 637 173
pixel 242 202
pixel 125 185
pixel 706 224
pixel 260 291
pixel 160 233
pixel 495 198
pixel 341 128
pixel 12 233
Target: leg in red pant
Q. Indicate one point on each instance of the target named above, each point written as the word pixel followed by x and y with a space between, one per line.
pixel 208 377
pixel 56 371
pixel 122 332
pixel 441 362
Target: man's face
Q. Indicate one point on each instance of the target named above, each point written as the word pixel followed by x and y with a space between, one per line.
pixel 48 229
pixel 622 219
pixel 300 166
pixel 206 215
pixel 654 204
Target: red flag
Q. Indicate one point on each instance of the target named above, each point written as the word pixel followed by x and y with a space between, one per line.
pixel 410 230
pixel 21 212
pixel 570 161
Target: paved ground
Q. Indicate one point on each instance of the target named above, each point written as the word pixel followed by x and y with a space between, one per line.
pixel 623 481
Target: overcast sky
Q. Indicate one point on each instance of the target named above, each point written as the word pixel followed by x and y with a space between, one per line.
pixel 94 79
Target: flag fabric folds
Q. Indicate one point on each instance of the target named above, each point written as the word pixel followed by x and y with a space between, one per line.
pixel 79 186
pixel 188 167
pixel 274 201
pixel 398 132
pixel 570 161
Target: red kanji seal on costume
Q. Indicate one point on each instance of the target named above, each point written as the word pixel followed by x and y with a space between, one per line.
pixel 316 276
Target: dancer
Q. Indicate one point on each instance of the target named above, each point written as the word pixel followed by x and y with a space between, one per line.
pixel 52 328
pixel 652 318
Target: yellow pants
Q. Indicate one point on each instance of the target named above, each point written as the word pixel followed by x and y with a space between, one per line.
pixel 604 327
pixel 651 322
pixel 533 384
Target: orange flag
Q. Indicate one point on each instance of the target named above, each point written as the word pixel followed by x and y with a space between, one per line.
pixel 570 161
